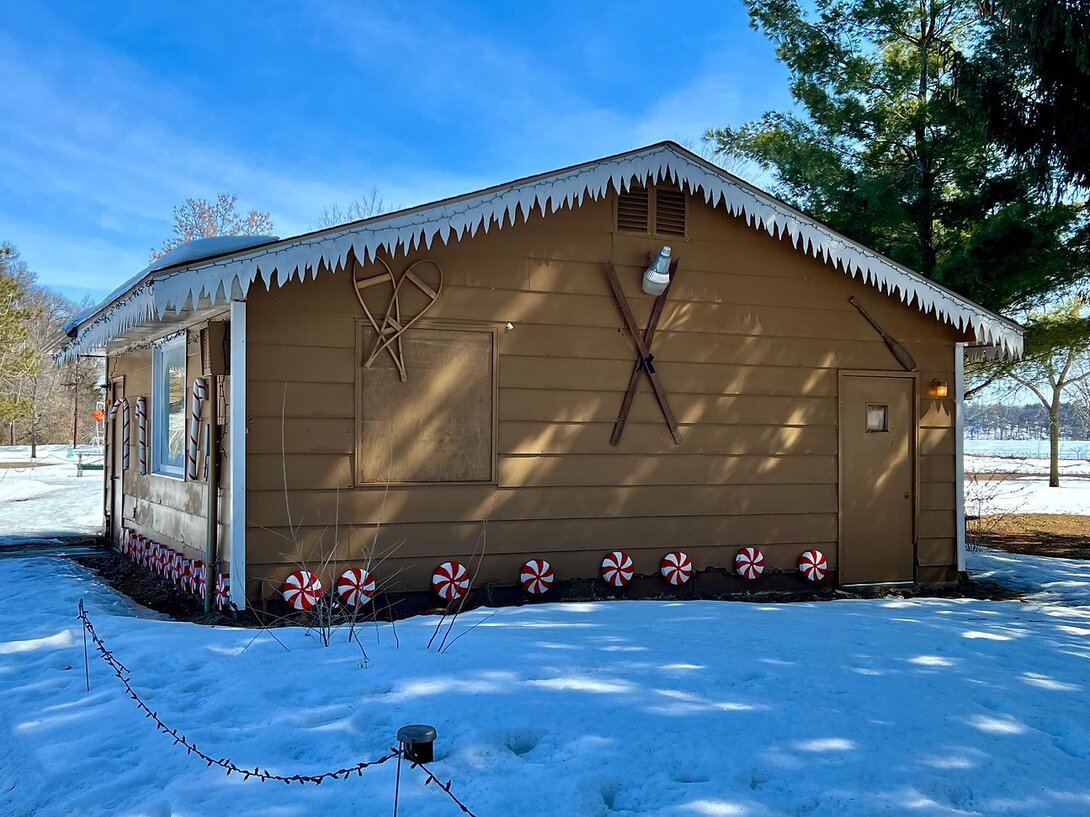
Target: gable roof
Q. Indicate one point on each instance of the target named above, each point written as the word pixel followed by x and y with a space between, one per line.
pixel 229 275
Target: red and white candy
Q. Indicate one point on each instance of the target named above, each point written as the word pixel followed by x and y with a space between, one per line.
pixel 617 568
pixel 184 574
pixel 198 394
pixel 301 589
pixel 355 587
pixel 536 577
pixel 813 565
pixel 196 577
pixel 223 590
pixel 749 563
pixel 450 581
pixel 676 567
pixel 166 559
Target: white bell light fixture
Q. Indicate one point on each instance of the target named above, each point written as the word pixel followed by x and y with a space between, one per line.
pixel 657 275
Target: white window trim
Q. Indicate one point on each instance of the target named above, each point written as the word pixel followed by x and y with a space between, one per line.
pixel 159 400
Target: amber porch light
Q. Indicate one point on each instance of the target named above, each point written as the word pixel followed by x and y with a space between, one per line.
pixel 938 389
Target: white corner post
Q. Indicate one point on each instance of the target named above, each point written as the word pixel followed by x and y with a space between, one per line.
pixel 959 451
pixel 237 462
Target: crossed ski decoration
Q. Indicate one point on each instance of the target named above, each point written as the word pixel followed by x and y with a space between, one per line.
pixel 645 361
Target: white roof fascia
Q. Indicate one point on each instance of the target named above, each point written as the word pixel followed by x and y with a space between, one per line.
pixel 230 277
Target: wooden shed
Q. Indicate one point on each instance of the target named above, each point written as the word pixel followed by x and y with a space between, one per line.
pixel 444 383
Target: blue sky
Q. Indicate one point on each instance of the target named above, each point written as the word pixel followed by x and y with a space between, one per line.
pixel 113 113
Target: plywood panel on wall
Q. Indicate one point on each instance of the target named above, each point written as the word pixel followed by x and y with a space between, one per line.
pixel 438 424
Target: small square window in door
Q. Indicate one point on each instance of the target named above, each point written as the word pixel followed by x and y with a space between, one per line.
pixel 877 417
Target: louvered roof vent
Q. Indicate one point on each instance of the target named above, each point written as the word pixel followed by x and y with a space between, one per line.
pixel 669 211
pixel 632 209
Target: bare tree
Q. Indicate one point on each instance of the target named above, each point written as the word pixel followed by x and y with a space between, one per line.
pixel 44 396
pixel 201 218
pixel 356 210
pixel 1054 365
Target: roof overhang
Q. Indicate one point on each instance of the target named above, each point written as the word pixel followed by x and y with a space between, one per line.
pixel 229 276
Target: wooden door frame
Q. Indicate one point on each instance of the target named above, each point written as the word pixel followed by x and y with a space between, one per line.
pixel 914 441
pixel 108 460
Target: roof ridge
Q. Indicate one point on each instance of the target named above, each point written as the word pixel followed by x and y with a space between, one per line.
pixel 457 217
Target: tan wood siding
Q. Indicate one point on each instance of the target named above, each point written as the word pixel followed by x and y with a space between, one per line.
pixel 748 352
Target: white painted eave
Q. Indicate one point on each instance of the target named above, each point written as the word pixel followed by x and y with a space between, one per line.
pixel 230 276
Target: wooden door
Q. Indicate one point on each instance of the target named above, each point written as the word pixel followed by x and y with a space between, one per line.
pixel 877 478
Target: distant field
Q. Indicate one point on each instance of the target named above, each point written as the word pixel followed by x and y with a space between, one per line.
pixel 1069 449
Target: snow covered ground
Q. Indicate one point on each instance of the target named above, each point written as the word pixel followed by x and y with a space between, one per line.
pixel 921 707
pixel 1027 495
pixel 1030 492
pixel 44 502
pixel 913 707
pixel 1043 578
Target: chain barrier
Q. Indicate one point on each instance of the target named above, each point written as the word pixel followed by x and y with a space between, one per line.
pixel 122 672
pixel 432 778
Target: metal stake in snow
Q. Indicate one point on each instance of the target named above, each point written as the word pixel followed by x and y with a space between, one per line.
pixel 86 655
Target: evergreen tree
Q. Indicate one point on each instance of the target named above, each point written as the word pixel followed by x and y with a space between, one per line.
pixel 883 151
pixel 17 358
pixel 1028 78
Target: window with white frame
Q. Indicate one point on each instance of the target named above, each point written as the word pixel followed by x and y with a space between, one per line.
pixel 168 407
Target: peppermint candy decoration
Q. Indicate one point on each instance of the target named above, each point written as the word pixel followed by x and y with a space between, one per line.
pixel 617 568
pixel 355 587
pixel 749 563
pixel 196 577
pixel 537 577
pixel 223 590
pixel 184 573
pixel 176 566
pixel 136 550
pixel 123 542
pixel 301 589
pixel 166 562
pixel 151 555
pixel 450 581
pixel 676 567
pixel 813 565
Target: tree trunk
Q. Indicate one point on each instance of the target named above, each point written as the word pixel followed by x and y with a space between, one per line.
pixel 34 442
pixel 1054 444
